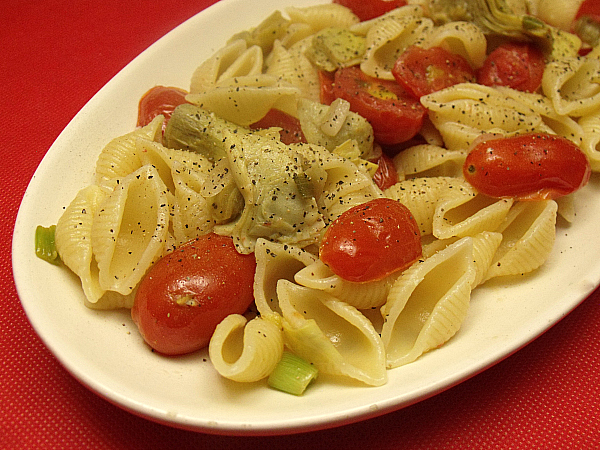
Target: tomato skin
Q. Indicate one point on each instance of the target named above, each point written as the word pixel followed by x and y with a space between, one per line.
pixel 366 10
pixel 393 113
pixel 207 273
pixel 159 100
pixel 326 80
pixel 532 166
pixel 589 8
pixel 291 131
pixel 386 174
pixel 517 65
pixel 422 71
pixel 370 241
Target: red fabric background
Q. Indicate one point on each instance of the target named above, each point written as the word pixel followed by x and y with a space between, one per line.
pixel 55 54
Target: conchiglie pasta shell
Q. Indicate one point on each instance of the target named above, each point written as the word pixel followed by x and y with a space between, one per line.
pixel 396 14
pixel 167 161
pixel 112 300
pixel 331 334
pixel 209 72
pixel 249 63
pixel 245 100
pixel 130 230
pixel 119 157
pixel 461 215
pixel 296 32
pixel 387 40
pixel 360 295
pixel 528 237
pixel 572 84
pixel 73 238
pixel 322 16
pixel 427 160
pixel 591 139
pixel 293 68
pixel 246 351
pixel 346 186
pixel 428 303
pixel 460 38
pixel 191 214
pixel 485 245
pixel 466 110
pixel 274 262
pixel 552 122
pixel 421 196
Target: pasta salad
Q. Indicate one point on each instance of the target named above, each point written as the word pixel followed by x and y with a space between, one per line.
pixel 331 187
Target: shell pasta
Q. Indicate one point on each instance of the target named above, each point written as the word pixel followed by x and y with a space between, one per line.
pixel 210 167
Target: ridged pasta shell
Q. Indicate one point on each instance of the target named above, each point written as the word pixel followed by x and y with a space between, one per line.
pixel 460 38
pixel 249 63
pixel 170 162
pixel 345 187
pixel 293 68
pixel 466 110
pixel 246 100
pixel 427 160
pixel 130 230
pixel 360 295
pixel 485 245
pixel 73 239
pixel 192 215
pixel 120 157
pixel 334 336
pixel 246 350
pixel 387 40
pixel 428 303
pixel 112 300
pixel 296 32
pixel 421 196
pixel 275 262
pixel 572 84
pixel 591 139
pixel 362 28
pixel 322 16
pixel 206 74
pixel 528 236
pixel 467 215
pixel 552 122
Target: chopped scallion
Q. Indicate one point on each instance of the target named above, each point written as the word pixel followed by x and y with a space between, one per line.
pixel 45 247
pixel 292 374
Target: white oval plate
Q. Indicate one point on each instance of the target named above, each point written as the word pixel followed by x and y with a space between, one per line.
pixel 104 351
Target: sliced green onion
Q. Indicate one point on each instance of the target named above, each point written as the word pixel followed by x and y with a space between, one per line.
pixel 292 374
pixel 45 247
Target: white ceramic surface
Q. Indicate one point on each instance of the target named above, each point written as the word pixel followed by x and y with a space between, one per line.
pixel 104 351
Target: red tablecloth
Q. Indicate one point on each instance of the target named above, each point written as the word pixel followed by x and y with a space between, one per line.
pixel 55 54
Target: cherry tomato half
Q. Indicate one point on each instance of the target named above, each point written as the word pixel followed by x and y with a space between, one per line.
pixel 527 167
pixel 516 65
pixel 393 113
pixel 386 174
pixel 367 10
pixel 422 71
pixel 291 131
pixel 188 292
pixel 370 241
pixel 159 100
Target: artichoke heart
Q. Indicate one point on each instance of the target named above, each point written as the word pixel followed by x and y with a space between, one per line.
pixel 277 207
pixel 335 47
